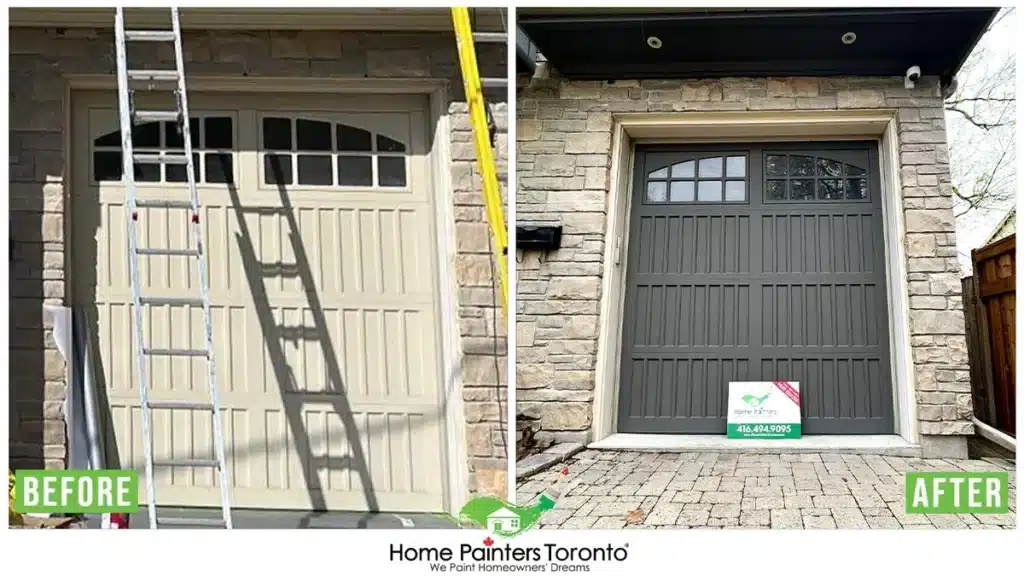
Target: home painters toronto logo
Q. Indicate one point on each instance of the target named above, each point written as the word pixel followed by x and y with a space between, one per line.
pixel 507 520
pixel 755 401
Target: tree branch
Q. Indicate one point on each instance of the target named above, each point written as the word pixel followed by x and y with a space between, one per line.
pixel 972 119
pixel 979 99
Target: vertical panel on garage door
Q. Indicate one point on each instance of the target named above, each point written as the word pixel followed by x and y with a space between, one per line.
pixel 323 284
pixel 755 263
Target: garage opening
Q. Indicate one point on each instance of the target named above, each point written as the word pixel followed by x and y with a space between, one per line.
pixel 755 262
pixel 323 286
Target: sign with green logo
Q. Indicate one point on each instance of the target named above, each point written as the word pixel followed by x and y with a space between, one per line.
pixel 956 492
pixel 763 410
pixel 76 491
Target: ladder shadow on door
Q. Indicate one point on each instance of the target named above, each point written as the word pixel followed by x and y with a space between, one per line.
pixel 273 333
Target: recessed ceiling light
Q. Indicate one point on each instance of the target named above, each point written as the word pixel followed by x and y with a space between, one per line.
pixel 849 38
pixel 654 42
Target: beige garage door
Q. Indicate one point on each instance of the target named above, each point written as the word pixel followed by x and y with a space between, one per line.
pixel 318 212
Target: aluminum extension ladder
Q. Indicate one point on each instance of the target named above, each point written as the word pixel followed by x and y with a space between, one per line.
pixel 167 80
pixel 483 132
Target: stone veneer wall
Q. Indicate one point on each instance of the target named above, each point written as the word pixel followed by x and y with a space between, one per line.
pixel 39 61
pixel 563 161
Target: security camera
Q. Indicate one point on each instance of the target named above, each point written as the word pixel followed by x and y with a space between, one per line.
pixel 912 76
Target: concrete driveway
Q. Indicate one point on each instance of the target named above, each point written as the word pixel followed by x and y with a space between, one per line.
pixel 641 490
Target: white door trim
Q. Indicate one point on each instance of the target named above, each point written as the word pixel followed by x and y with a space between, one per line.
pixel 702 127
pixel 456 481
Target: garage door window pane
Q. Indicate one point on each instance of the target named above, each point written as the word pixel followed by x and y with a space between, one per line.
pixel 218 135
pixel 385 144
pixel 656 191
pixel 391 171
pixel 352 139
pixel 147 172
pixel 355 171
pixel 313 136
pixel 681 191
pixel 710 168
pixel 277 169
pixel 736 166
pixel 219 169
pixel 801 189
pixel 686 169
pixel 857 189
pixel 830 189
pixel 709 191
pixel 174 138
pixel 735 191
pixel 775 165
pixel 177 172
pixel 277 133
pixel 776 190
pixel 315 170
pixel 146 135
pixel 830 168
pixel 801 166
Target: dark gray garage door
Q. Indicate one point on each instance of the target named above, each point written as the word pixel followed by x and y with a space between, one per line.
pixel 759 262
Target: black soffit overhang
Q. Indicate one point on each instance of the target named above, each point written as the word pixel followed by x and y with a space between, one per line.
pixel 605 45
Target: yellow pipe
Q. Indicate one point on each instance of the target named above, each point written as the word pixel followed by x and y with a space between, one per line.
pixel 481 137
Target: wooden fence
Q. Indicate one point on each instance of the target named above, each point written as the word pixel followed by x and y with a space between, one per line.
pixel 989 309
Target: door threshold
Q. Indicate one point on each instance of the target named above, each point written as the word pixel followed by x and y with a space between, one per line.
pixel 882 444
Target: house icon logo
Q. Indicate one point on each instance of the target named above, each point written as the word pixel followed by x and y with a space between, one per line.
pixel 503 522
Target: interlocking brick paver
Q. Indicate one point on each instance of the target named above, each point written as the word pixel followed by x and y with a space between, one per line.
pixel 693 517
pixel 687 496
pixel 849 518
pixel 882 523
pixel 819 522
pixel 711 490
pixel 755 518
pixel 786 519
pixel 609 523
pixel 725 511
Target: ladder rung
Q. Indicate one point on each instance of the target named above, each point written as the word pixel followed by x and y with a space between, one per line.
pixel 149 35
pixel 172 521
pixel 163 203
pixel 168 251
pixel 495 37
pixel 153 75
pixel 162 158
pixel 173 352
pixel 193 462
pixel 494 82
pixel 187 404
pixel 171 301
pixel 156 116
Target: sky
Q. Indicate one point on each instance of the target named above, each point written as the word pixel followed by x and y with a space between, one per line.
pixel 972 150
